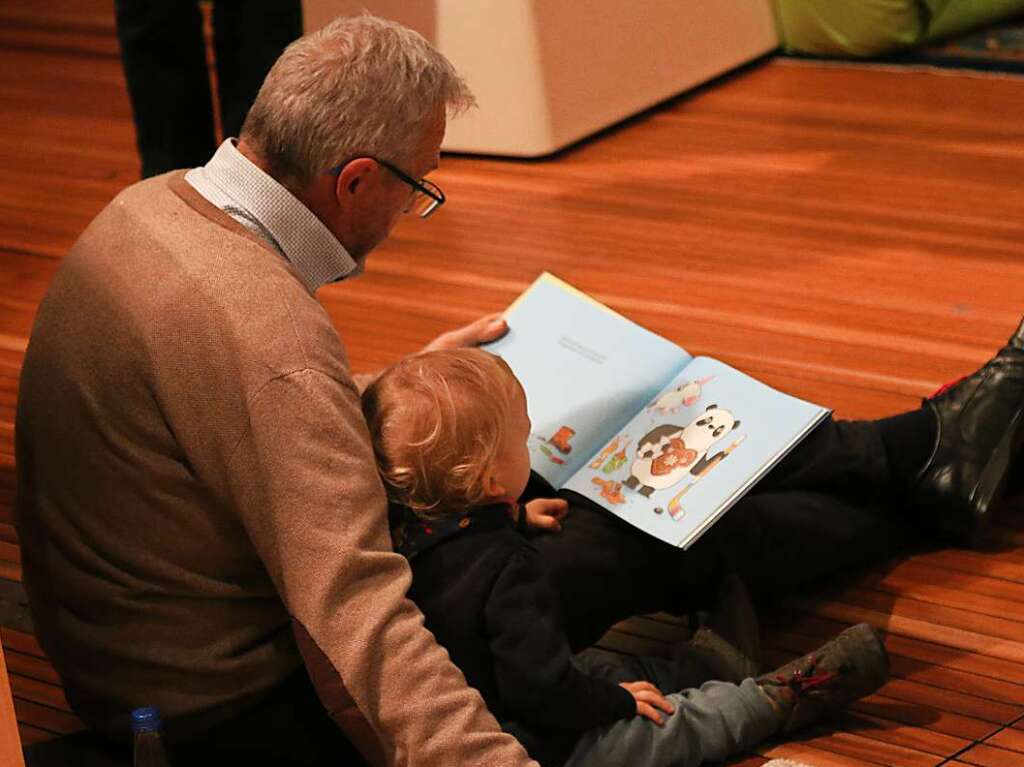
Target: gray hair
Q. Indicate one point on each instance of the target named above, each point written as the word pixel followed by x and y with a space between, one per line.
pixel 361 86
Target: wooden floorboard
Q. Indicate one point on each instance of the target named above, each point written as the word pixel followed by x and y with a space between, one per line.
pixel 850 235
pixel 984 755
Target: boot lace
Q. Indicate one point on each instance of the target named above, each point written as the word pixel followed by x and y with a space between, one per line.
pixel 806 680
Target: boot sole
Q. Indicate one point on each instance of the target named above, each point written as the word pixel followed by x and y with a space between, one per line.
pixel 989 492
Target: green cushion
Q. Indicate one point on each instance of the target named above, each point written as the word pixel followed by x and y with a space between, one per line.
pixel 873 27
pixel 962 15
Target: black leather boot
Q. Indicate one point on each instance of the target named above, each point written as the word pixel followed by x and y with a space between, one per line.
pixel 980 429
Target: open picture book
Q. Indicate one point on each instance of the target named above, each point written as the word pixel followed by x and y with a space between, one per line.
pixel 664 440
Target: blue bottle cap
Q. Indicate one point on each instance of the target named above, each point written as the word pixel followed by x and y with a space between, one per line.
pixel 146 719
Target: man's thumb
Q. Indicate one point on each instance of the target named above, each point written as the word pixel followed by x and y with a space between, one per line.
pixel 493 330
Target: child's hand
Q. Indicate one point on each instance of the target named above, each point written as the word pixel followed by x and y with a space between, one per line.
pixel 648 700
pixel 545 513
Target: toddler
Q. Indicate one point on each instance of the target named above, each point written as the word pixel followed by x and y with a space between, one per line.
pixel 450 431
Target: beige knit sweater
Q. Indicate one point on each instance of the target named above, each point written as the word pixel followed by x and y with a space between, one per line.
pixel 195 473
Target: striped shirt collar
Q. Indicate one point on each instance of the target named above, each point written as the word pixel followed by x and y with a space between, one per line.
pixel 243 191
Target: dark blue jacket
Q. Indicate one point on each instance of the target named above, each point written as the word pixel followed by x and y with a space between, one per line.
pixel 481 587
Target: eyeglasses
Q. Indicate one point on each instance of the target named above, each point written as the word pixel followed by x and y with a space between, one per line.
pixel 426 196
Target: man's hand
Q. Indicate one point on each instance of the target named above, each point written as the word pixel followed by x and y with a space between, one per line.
pixel 648 700
pixel 488 328
pixel 546 514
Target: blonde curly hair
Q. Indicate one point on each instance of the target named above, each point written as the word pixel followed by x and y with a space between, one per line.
pixel 437 421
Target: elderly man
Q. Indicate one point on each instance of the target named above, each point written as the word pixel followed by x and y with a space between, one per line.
pixel 197 494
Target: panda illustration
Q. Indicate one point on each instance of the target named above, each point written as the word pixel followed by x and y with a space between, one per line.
pixel 667 453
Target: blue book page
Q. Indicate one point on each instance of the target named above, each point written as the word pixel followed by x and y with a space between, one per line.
pixel 586 371
pixel 695 449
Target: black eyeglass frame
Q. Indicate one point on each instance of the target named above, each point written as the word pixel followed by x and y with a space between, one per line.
pixel 427 188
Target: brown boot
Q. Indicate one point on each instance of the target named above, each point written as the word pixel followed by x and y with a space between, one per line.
pixel 729 637
pixel 824 682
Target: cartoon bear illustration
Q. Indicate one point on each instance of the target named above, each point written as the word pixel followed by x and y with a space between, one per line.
pixel 667 453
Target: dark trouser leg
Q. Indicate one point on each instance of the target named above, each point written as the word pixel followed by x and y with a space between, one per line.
pixel 833 503
pixel 786 540
pixel 250 35
pixel 830 505
pixel 165 68
pixel 290 727
pixel 837 456
pixel 605 570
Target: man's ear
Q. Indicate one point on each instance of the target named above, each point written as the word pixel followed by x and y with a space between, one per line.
pixel 353 178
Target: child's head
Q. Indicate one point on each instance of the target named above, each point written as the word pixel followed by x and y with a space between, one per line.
pixel 449 430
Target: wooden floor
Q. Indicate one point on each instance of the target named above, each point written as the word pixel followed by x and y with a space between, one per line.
pixel 851 235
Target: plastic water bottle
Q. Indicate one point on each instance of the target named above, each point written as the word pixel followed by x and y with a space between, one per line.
pixel 149 744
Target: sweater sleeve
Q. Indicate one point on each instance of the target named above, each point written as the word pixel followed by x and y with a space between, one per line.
pixel 303 479
pixel 536 675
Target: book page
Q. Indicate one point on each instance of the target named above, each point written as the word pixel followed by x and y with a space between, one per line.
pixel 586 371
pixel 694 450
